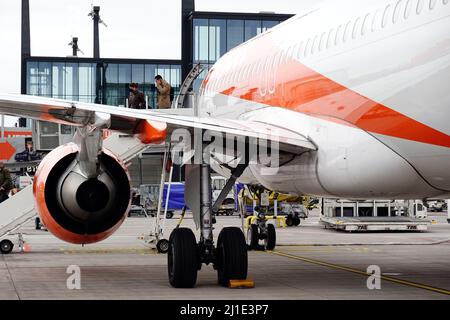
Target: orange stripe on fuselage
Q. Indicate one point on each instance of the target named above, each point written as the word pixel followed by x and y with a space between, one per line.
pixel 302 89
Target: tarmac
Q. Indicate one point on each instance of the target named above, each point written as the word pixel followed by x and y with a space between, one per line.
pixel 309 262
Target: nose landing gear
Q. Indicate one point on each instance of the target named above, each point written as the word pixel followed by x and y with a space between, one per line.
pixel 261 230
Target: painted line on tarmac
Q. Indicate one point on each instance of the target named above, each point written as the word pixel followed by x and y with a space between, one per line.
pixel 366 244
pixel 348 269
pixel 141 251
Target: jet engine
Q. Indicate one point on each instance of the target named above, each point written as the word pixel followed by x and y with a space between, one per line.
pixel 76 208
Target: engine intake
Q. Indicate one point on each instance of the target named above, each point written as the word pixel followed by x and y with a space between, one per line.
pixel 76 208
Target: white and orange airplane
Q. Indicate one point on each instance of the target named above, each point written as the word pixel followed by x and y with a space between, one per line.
pixel 355 92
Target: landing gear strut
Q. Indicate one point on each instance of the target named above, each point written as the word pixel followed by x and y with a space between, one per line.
pixel 185 256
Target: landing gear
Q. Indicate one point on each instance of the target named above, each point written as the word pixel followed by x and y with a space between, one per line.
pixel 162 246
pixel 231 260
pixel 261 230
pixel 183 258
pixel 255 233
pixel 6 246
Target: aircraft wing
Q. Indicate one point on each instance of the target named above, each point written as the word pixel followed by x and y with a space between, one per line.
pixel 125 120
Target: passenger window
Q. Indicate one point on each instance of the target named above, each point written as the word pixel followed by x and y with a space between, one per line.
pixel 408 7
pixel 331 37
pixel 356 28
pixel 347 31
pixel 365 25
pixel 322 41
pixel 386 14
pixel 397 11
pixel 432 4
pixel 419 6
pixel 338 35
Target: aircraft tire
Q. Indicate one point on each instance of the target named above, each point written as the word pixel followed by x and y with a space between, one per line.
pixel 232 257
pixel 182 258
pixel 253 237
pixel 270 241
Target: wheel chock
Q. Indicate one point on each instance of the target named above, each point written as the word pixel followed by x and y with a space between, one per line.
pixel 241 284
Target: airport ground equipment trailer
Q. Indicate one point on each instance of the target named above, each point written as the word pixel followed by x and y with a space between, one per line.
pixel 14 213
pixel 228 206
pixel 437 205
pixel 146 203
pixel 380 215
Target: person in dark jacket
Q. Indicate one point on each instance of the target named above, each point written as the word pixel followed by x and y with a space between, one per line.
pixel 5 182
pixel 136 99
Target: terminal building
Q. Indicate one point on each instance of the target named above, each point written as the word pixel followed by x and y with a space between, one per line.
pixel 205 36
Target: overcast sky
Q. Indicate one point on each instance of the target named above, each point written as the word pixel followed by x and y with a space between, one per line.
pixel 146 29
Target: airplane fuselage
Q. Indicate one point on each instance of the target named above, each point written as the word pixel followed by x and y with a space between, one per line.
pixel 369 87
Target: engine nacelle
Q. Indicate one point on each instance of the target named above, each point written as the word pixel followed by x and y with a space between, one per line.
pixel 77 209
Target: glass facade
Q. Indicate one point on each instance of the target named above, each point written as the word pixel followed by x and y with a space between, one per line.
pixel 77 80
pixel 212 38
